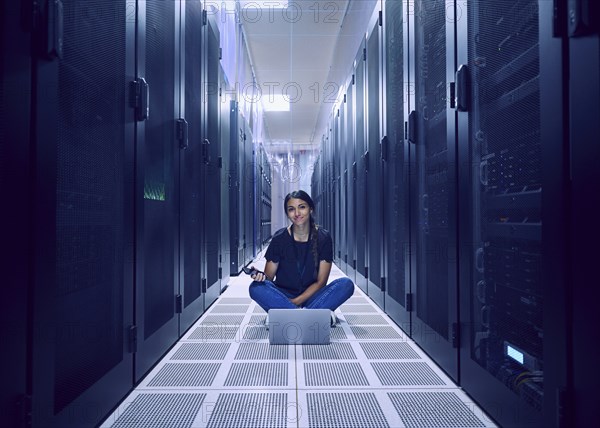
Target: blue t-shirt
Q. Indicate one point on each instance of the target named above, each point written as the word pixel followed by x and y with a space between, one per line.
pixel 292 276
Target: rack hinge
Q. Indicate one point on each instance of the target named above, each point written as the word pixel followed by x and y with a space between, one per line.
pixel 409 302
pixel 383 284
pixel 344 98
pixel 220 53
pixel 178 303
pixel 220 273
pixel 367 272
pixel 364 54
pixel 220 162
pixel 380 18
pixel 203 285
pixel 133 338
pixel 455 335
pixel 204 17
pixel 353 79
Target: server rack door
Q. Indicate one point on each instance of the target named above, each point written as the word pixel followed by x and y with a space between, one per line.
pixel 192 252
pixel 157 280
pixel 395 166
pixel 242 189
pixel 435 219
pixel 249 200
pixel 349 153
pixel 83 234
pixel 225 184
pixel 337 189
pixel 502 295
pixel 584 72
pixel 361 190
pixel 343 187
pixel 374 166
pixel 15 182
pixel 234 188
pixel 212 195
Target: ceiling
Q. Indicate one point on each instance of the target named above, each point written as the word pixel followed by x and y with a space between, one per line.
pixel 305 52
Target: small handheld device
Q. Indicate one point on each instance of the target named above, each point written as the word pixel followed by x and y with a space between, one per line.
pixel 251 272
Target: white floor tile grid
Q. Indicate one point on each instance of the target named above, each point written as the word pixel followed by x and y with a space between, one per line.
pixel 225 369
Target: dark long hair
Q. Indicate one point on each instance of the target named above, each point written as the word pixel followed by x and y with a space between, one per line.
pixel 301 194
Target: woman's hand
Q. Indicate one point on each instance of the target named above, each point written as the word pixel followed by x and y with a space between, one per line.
pixel 296 301
pixel 258 276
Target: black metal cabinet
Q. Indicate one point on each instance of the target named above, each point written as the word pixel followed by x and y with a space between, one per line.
pixel 360 159
pixel 395 164
pixel 350 179
pixel 212 152
pixel 81 268
pixel 584 151
pixel 373 162
pixel 225 184
pixel 342 186
pixel 15 182
pixel 192 258
pixel 157 184
pixel 509 93
pixel 434 207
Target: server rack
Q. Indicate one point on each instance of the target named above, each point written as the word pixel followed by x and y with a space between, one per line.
pixel 225 183
pixel 190 299
pixel 236 135
pixel 81 231
pixel 504 299
pixel 373 162
pixel 16 185
pixel 583 33
pixel 361 185
pixel 342 186
pixel 395 164
pixel 157 185
pixel 212 160
pixel 435 318
pixel 350 196
pixel 248 194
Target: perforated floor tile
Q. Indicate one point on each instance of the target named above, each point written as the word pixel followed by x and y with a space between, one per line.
pixel 235 300
pixel 148 410
pixel 217 320
pixel 354 300
pixel 185 375
pixel 256 333
pixel 257 374
pixel 389 351
pixel 201 351
pixel 375 332
pixel 357 309
pixel 413 373
pixel 433 409
pixel 333 351
pixel 214 332
pixel 334 374
pixel 262 351
pixel 354 319
pixel 250 410
pixel 362 379
pixel 229 309
pixel 345 410
pixel 337 333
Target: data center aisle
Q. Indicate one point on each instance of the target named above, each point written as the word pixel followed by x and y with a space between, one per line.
pixel 223 373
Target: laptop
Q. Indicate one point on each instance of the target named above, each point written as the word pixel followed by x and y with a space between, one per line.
pixel 299 326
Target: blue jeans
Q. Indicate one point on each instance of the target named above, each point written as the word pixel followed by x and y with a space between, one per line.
pixel 331 296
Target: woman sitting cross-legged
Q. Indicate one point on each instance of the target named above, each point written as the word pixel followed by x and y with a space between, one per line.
pixel 299 260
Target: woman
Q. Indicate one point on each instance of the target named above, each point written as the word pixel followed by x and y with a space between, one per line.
pixel 299 261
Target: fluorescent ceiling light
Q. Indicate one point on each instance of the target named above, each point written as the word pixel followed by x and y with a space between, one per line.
pixel 275 102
